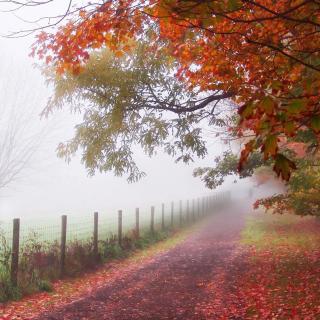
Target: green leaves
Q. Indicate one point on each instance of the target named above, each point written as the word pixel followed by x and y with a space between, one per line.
pixel 246 110
pixel 283 166
pixel 296 106
pixel 124 102
pixel 234 4
pixel 227 165
pixel 270 146
pixel 315 123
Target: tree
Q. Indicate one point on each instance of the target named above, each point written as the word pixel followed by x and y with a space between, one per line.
pixel 133 100
pixel 227 165
pixel 19 140
pixel 301 193
pixel 265 54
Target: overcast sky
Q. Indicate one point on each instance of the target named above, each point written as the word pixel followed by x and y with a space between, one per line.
pixel 52 187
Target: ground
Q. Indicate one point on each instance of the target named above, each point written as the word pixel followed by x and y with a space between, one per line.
pixel 233 265
pixel 174 285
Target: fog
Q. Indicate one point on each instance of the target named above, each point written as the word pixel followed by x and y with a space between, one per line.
pixel 50 186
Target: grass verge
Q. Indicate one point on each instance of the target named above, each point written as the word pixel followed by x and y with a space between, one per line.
pixel 283 267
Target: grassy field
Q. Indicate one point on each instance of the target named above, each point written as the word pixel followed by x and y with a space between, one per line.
pixel 283 267
pixel 267 231
pixel 80 228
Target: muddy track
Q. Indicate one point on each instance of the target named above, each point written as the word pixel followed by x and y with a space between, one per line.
pixel 187 282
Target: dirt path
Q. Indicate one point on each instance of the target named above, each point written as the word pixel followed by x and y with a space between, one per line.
pixel 190 281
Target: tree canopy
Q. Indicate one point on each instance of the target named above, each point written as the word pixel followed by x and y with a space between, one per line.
pixel 133 100
pixel 264 55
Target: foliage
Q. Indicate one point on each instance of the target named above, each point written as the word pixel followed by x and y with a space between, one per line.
pixel 38 264
pixel 302 196
pixel 7 290
pixel 45 285
pixel 79 256
pixel 301 191
pixel 227 165
pixel 125 103
pixel 263 54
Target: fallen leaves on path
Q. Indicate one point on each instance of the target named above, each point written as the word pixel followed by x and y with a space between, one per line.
pixel 210 275
pixel 70 290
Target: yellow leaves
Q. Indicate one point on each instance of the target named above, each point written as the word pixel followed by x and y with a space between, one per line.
pixel 234 4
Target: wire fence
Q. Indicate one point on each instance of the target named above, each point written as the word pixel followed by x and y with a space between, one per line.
pixel 93 229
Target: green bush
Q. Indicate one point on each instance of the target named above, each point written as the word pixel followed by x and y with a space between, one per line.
pixel 7 290
pixel 45 285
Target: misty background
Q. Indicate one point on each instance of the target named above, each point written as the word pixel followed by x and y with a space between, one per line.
pixel 48 186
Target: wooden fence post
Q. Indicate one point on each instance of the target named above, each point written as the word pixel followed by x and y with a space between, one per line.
pixel 162 218
pixel 193 211
pixel 15 252
pixel 137 224
pixel 63 244
pixel 152 220
pixel 188 211
pixel 120 227
pixel 172 213
pixel 95 236
pixel 203 207
pixel 180 213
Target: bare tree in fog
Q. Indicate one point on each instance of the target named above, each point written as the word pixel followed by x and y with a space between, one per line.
pixel 20 136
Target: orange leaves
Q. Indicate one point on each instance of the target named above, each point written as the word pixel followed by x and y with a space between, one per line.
pixel 249 147
pixel 281 278
pixel 69 47
pixel 82 14
pixel 256 51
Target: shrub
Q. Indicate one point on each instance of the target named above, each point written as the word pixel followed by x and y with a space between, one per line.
pixel 79 256
pixel 7 291
pixel 39 260
pixel 45 285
